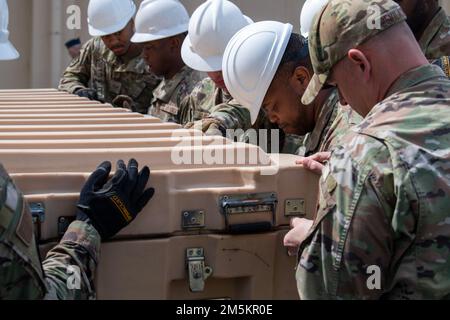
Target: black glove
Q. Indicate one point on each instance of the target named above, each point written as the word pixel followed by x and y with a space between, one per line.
pixel 88 93
pixel 111 205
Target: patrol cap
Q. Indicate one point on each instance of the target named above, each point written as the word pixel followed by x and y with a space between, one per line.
pixel 341 26
pixel 69 44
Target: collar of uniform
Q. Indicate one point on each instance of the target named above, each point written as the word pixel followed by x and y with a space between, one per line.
pixel 414 77
pixel 313 139
pixel 432 29
pixel 135 65
pixel 167 87
pixel 226 96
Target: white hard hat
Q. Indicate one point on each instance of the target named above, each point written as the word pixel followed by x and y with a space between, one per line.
pixel 310 9
pixel 106 17
pixel 211 27
pixel 7 50
pixel 159 19
pixel 251 59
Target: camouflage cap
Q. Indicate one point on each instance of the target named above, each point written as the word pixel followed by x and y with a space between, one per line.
pixel 341 26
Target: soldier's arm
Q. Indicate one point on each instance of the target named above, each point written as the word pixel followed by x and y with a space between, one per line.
pixel 351 246
pixel 77 74
pixel 144 99
pixel 69 268
pixel 185 112
pixel 232 116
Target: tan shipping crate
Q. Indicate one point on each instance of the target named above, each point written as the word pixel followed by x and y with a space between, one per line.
pixel 224 220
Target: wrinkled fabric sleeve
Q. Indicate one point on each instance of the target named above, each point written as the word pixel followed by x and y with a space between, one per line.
pixel 77 74
pixel 78 250
pixel 232 116
pixel 350 249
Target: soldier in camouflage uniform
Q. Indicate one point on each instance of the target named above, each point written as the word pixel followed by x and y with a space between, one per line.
pixel 431 27
pixel 170 93
pixel 385 193
pixel 99 218
pixel 161 26
pixel 213 110
pixel 110 69
pixel 210 108
pixel 323 122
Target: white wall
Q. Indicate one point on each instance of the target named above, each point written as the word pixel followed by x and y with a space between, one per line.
pixel 38 29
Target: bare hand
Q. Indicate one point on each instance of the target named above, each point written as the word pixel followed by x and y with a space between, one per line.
pixel 315 163
pixel 297 235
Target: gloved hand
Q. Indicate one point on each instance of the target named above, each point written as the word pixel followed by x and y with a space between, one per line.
pixel 123 101
pixel 111 205
pixel 209 126
pixel 91 94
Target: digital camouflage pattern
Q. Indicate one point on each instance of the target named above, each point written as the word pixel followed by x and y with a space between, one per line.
pixel 326 44
pixel 209 108
pixel 21 274
pixel 385 193
pixel 100 69
pixel 333 122
pixel 384 199
pixel 444 64
pixel 435 40
pixel 170 93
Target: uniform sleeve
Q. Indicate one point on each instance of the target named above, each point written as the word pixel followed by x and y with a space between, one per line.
pixel 70 267
pixel 232 116
pixel 77 74
pixel 144 99
pixel 349 252
pixel 186 108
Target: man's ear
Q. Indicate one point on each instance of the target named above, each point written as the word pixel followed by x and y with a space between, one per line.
pixel 359 60
pixel 300 79
pixel 175 43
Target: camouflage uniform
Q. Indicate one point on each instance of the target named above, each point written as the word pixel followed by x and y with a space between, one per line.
pixel 169 94
pixel 207 101
pixel 385 193
pixel 334 121
pixel 21 274
pixel 100 69
pixel 435 40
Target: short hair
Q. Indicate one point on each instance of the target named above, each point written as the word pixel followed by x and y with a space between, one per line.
pixel 296 54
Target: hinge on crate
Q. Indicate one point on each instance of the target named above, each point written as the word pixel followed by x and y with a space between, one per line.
pixel 295 208
pixel 246 213
pixel 37 210
pixel 198 272
pixel 192 219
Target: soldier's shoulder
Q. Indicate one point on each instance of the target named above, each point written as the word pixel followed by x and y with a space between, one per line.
pixel 94 45
pixel 194 77
pixel 203 89
pixel 359 151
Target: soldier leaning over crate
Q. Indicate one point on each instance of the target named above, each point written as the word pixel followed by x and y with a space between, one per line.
pixel 110 68
pixel 385 192
pixel 276 81
pixel 161 26
pixel 210 107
